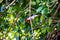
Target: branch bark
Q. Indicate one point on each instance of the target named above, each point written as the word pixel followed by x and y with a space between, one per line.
pixel 56 11
pixel 9 5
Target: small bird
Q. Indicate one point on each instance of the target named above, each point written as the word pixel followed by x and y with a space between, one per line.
pixel 31 18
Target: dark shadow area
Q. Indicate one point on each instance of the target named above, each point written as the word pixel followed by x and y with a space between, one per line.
pixel 58 38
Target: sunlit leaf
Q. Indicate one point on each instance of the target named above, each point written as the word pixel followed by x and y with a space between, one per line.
pixel 33 3
pixel 45 11
pixel 1 1
pixel 50 21
pixel 39 9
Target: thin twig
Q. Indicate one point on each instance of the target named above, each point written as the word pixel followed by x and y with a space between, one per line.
pixel 30 13
pixel 25 6
pixel 56 11
pixel 53 7
pixel 33 9
pixel 10 4
pixel 55 2
pixel 30 19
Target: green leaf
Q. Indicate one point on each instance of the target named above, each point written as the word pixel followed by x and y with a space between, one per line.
pixel 49 29
pixel 50 21
pixel 10 10
pixel 1 1
pixel 44 11
pixel 43 30
pixel 33 3
pixel 44 0
pixel 39 9
pixel 38 1
pixel 42 17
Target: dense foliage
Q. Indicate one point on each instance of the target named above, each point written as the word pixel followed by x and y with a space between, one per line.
pixel 13 20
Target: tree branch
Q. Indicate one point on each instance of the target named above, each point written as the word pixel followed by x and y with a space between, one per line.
pixel 56 11
pixel 9 5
